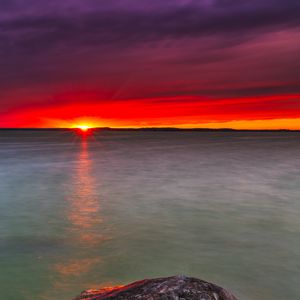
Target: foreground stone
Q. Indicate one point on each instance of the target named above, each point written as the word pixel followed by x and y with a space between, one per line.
pixel 177 288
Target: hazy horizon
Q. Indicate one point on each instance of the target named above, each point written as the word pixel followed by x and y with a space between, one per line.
pixel 146 128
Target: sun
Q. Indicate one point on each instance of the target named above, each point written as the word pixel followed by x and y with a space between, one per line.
pixel 84 127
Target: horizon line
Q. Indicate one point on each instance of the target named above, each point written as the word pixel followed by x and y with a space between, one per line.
pixel 146 129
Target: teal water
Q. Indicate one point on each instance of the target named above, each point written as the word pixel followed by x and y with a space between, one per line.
pixel 78 213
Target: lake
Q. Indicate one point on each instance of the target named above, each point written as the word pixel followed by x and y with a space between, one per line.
pixel 79 212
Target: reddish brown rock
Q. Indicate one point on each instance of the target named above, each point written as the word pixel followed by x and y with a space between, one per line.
pixel 177 288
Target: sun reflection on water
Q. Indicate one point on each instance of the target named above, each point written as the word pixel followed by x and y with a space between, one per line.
pixel 84 213
pixel 84 218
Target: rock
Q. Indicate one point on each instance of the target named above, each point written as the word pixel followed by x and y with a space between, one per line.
pixel 176 287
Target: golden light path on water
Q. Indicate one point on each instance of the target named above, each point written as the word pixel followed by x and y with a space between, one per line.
pixel 84 207
pixel 84 216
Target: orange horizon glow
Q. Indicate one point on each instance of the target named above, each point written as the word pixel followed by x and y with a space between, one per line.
pixel 250 113
pixel 267 124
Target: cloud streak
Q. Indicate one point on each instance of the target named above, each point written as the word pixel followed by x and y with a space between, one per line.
pixel 35 32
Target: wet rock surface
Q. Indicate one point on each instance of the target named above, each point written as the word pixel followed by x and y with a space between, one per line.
pixel 177 287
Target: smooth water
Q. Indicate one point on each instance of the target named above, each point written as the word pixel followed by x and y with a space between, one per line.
pixel 79 213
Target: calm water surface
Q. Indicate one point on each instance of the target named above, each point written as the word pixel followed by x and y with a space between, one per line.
pixel 76 213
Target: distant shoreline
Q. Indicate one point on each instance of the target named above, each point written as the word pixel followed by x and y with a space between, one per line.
pixel 169 129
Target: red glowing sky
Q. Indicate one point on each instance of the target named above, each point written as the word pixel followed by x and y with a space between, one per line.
pixel 203 63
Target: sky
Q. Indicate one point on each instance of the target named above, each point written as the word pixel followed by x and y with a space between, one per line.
pixel 138 63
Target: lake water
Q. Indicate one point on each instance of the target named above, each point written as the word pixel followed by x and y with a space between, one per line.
pixel 114 207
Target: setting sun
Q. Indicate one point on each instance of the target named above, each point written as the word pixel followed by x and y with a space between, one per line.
pixel 83 127
pixel 82 124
